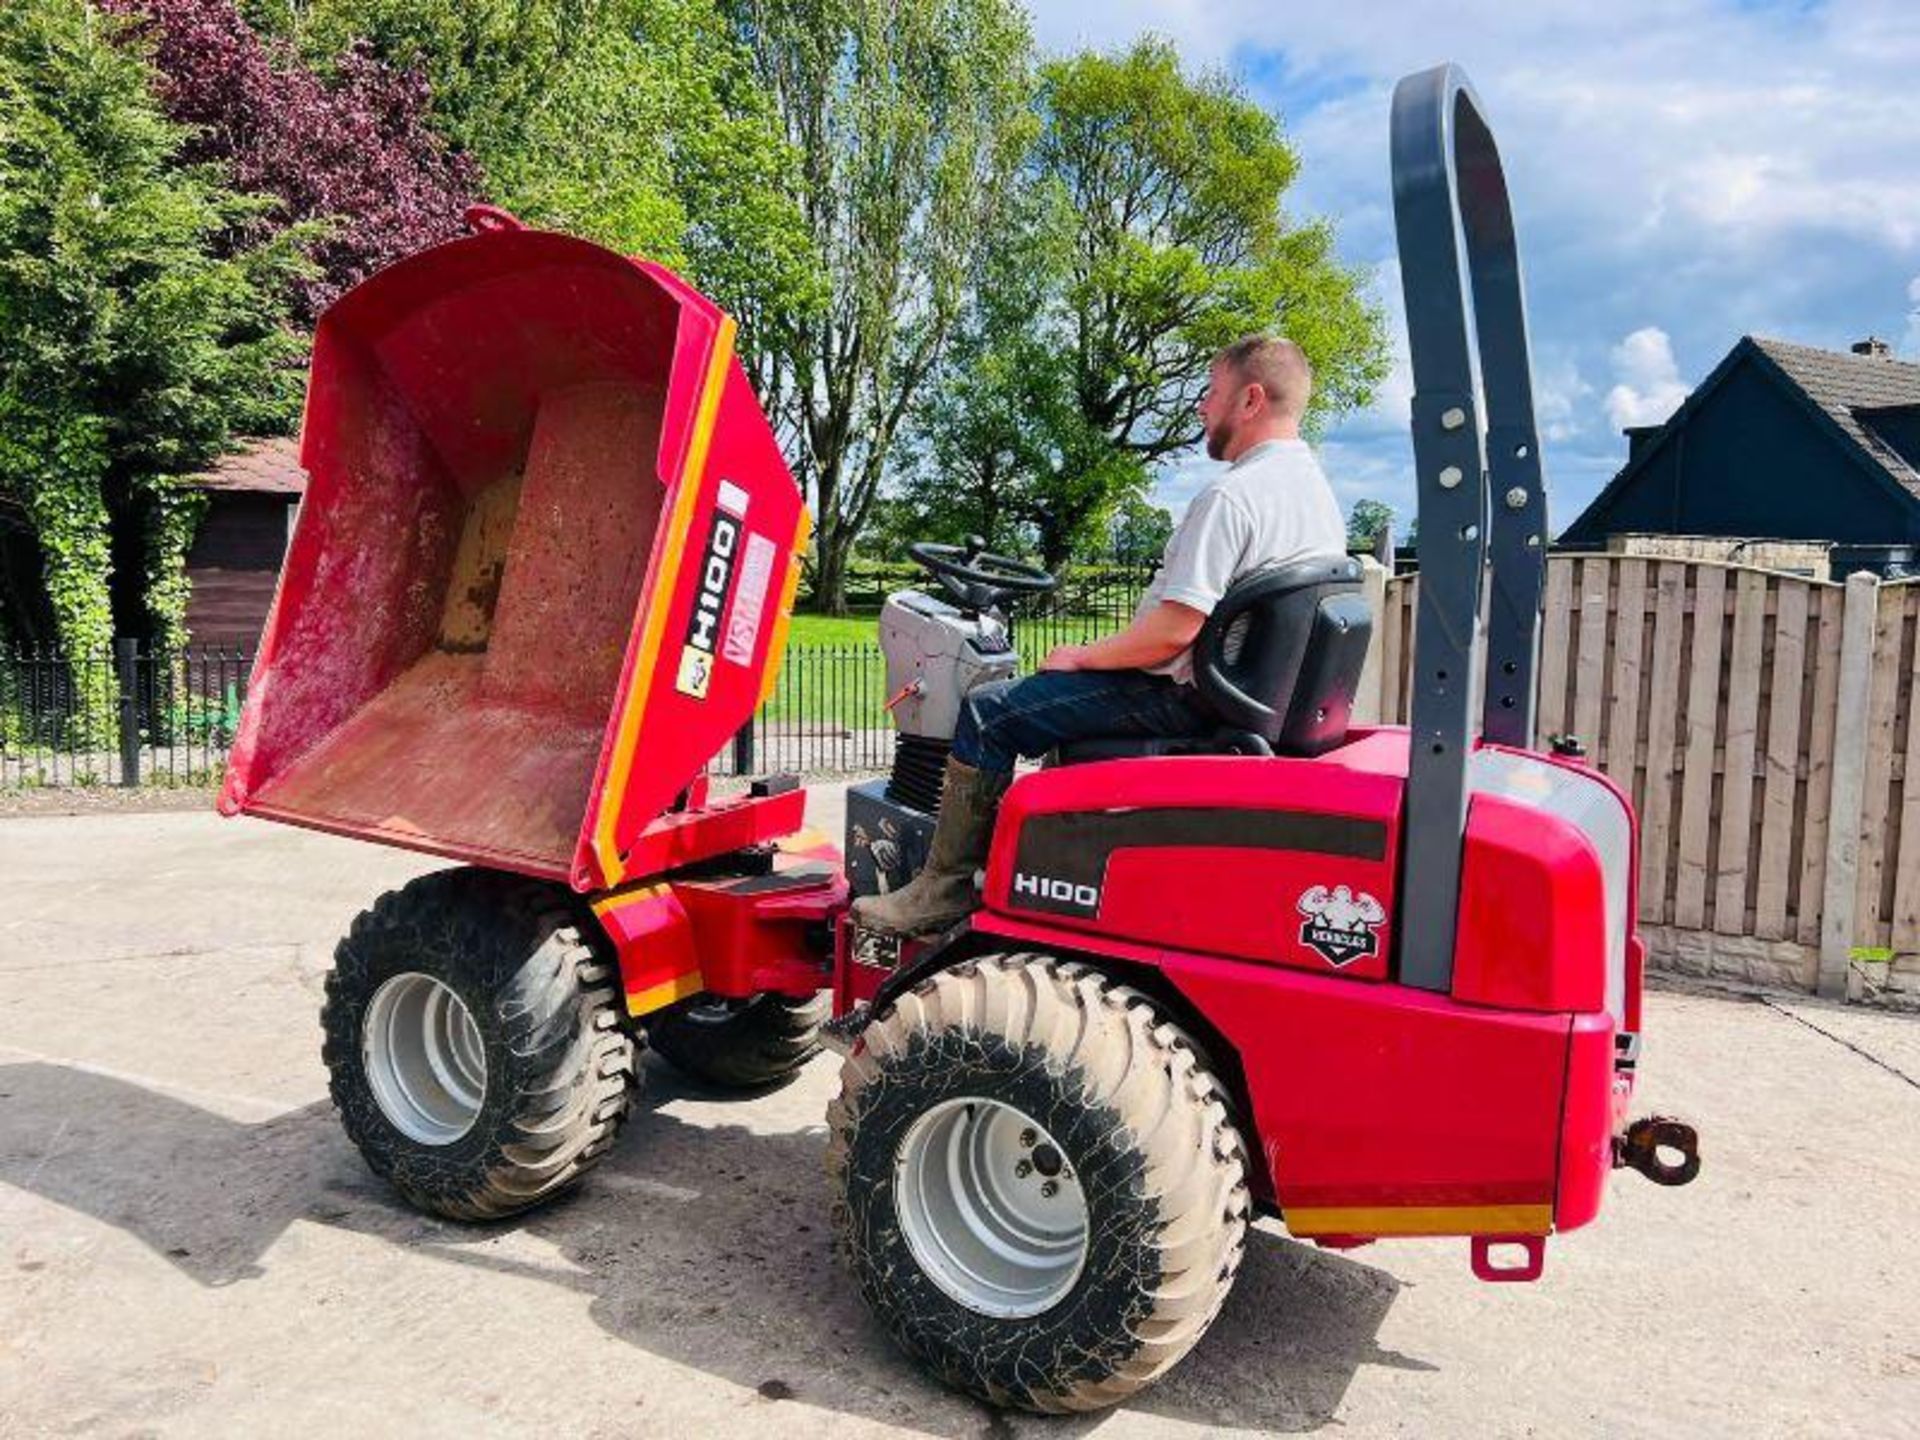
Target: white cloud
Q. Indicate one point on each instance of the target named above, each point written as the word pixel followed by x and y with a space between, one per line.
pixel 1722 118
pixel 1561 396
pixel 1650 387
pixel 1709 167
pixel 1180 479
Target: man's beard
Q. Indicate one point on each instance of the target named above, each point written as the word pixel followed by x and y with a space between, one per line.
pixel 1219 437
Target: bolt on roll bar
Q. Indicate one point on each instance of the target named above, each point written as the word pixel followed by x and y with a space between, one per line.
pixel 1449 201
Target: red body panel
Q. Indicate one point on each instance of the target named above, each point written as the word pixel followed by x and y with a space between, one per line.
pixel 730 935
pixel 1379 1110
pixel 1529 893
pixel 1197 884
pixel 1429 1116
pixel 1596 1111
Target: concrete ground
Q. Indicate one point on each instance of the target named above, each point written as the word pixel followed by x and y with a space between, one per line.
pixel 188 1245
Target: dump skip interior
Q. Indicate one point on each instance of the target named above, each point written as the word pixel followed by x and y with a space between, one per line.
pixel 468 564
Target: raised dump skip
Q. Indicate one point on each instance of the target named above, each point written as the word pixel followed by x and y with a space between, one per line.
pixel 542 569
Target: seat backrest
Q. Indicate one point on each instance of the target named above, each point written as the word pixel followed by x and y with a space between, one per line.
pixel 1281 653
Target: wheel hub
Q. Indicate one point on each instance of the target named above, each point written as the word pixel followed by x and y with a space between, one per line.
pixel 990 1208
pixel 425 1060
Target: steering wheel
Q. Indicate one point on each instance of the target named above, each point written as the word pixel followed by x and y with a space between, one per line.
pixel 976 577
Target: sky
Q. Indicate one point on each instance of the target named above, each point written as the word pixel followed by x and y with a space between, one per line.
pixel 1683 172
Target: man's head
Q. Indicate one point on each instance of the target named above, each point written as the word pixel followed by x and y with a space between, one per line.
pixel 1258 392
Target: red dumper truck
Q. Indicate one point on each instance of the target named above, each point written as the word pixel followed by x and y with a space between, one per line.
pixel 1370 981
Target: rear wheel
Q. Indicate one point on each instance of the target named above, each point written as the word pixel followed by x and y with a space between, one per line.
pixel 739 1044
pixel 1039 1188
pixel 474 1043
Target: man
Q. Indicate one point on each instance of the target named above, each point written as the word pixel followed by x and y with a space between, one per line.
pixel 1271 506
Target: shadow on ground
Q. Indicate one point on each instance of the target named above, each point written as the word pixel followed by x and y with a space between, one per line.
pixel 704 1244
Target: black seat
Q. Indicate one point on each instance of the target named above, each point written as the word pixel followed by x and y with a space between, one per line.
pixel 1277 663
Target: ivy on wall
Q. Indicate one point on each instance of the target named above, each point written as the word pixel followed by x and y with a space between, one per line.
pixel 143 322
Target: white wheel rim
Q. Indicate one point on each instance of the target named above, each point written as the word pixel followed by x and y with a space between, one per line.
pixel 990 1208
pixel 424 1058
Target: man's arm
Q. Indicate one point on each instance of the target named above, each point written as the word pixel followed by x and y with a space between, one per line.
pixel 1156 637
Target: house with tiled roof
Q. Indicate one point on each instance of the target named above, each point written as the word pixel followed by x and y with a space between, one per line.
pixel 234 562
pixel 1781 442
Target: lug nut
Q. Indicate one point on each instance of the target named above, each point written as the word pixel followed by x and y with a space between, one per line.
pixel 1050 1189
pixel 1027 1137
pixel 1022 1170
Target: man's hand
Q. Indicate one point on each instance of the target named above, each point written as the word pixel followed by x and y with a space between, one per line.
pixel 1065 657
pixel 1156 637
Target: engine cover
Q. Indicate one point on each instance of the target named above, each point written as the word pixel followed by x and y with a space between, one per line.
pixel 935 654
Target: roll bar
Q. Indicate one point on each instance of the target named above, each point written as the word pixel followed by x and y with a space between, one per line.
pixel 1450 199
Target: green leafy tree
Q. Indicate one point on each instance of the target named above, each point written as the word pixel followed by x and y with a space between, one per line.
pixel 133 340
pixel 998 444
pixel 1366 520
pixel 909 121
pixel 639 124
pixel 1152 232
pixel 1141 531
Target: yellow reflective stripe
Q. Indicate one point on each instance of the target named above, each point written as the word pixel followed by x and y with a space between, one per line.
pixel 1422 1220
pixel 658 997
pixel 605 904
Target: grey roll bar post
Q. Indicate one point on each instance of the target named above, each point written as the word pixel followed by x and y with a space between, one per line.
pixel 1450 199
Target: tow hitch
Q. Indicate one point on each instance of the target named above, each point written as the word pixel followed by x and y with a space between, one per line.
pixel 1647 1144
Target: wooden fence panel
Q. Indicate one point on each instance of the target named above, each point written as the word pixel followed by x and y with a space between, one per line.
pixel 1717 698
pixel 1590 666
pixel 1877 784
pixel 1710 693
pixel 1621 753
pixel 1556 640
pixel 1905 919
pixel 1823 716
pixel 1742 703
pixel 1780 808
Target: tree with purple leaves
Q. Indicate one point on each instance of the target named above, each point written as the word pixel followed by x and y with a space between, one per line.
pixel 352 150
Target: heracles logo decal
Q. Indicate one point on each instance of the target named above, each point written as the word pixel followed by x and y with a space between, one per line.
pixel 1340 925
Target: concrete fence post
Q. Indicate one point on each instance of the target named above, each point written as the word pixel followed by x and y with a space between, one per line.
pixel 1367 709
pixel 1858 620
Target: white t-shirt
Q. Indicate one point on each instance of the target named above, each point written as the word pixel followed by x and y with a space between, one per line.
pixel 1271 506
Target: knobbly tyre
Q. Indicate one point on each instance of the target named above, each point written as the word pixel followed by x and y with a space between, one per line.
pixel 1373 982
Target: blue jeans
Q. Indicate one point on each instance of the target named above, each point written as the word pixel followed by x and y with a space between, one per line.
pixel 1010 718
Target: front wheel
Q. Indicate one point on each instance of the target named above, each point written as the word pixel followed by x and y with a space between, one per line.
pixel 750 1044
pixel 1039 1188
pixel 474 1043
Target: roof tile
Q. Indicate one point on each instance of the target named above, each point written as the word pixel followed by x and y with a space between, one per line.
pixel 262 467
pixel 1844 384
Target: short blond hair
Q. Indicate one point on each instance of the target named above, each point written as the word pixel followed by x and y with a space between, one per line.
pixel 1277 366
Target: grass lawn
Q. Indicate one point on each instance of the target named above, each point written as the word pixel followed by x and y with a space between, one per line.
pixel 834 674
pixel 834 630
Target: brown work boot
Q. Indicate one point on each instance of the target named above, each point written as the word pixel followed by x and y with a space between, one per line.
pixel 943 890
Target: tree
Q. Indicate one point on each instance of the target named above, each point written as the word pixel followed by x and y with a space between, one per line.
pixel 1152 232
pixel 1141 531
pixel 638 124
pixel 998 442
pixel 1366 520
pixel 909 121
pixel 355 154
pixel 131 346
